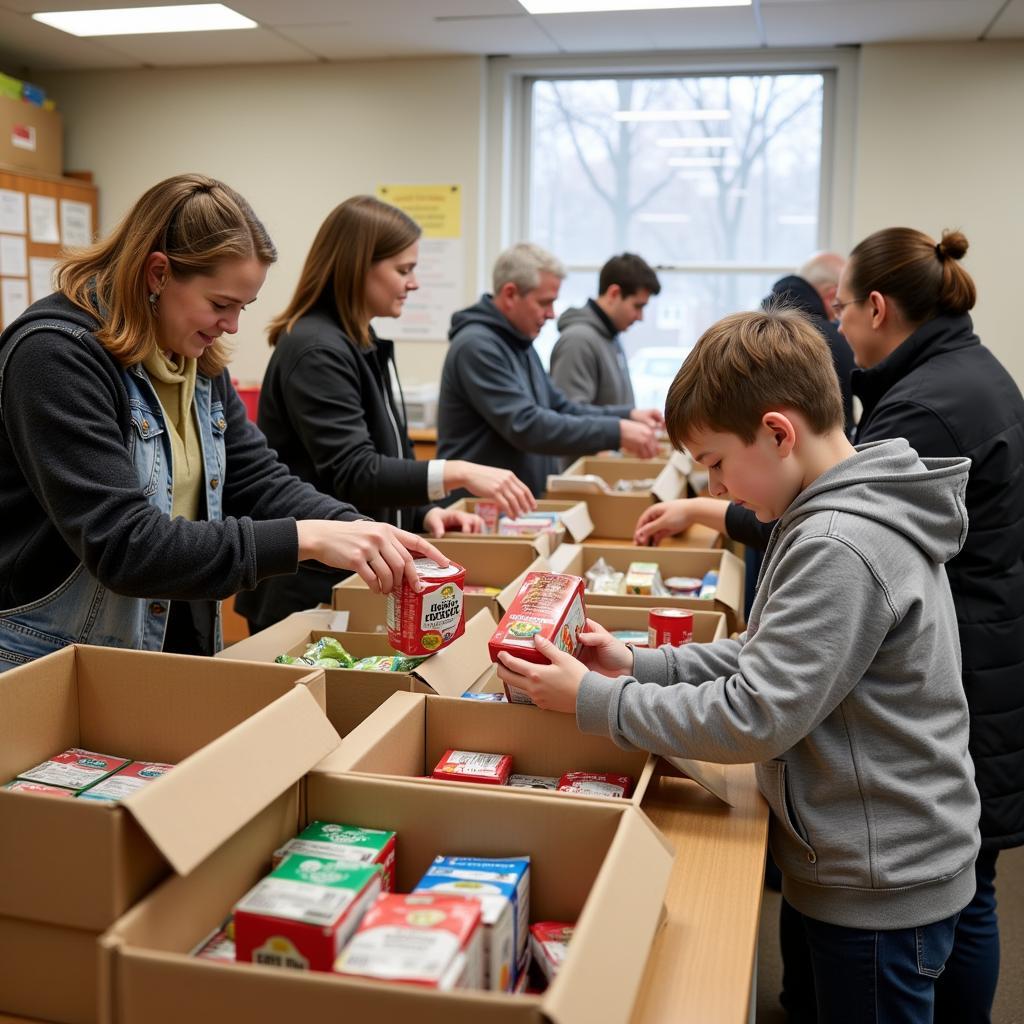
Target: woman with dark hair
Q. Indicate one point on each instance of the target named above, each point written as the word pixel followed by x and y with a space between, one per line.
pixel 134 492
pixel 331 402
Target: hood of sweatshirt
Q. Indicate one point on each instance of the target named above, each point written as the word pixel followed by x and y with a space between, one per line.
pixel 589 316
pixel 487 315
pixel 887 481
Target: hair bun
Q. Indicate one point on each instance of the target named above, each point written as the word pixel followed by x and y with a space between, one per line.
pixel 953 245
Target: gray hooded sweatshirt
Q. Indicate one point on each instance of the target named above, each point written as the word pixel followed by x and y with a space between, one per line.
pixel 845 689
pixel 588 362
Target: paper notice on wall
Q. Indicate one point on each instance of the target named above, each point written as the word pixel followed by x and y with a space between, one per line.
pixel 75 222
pixel 12 212
pixel 42 220
pixel 40 276
pixel 13 256
pixel 13 299
pixel 441 269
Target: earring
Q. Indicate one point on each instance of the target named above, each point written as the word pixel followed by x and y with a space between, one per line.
pixel 153 296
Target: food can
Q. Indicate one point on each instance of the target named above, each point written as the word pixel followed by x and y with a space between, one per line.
pixel 423 623
pixel 669 627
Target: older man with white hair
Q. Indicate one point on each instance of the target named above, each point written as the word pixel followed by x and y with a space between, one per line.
pixel 499 407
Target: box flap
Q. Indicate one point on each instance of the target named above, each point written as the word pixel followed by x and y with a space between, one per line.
pixel 504 599
pixel 671 481
pixel 399 711
pixel 268 643
pixel 563 559
pixel 577 521
pixel 708 776
pixel 212 794
pixel 453 670
pixel 614 933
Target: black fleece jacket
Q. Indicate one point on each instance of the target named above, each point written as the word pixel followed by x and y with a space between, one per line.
pixel 69 492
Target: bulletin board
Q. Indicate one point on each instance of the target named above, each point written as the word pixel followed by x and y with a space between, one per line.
pixel 40 216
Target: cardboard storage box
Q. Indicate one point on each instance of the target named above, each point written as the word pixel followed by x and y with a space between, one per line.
pixel 576 524
pixel 576 559
pixel 593 862
pixel 707 626
pixel 409 734
pixel 488 563
pixel 615 515
pixel 31 138
pixel 70 868
pixel 352 695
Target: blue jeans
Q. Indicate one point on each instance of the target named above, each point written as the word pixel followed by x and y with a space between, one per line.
pixel 855 976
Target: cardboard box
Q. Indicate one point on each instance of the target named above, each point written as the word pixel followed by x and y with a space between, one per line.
pixel 409 734
pixel 575 516
pixel 708 626
pixel 351 694
pixel 599 864
pixel 489 562
pixel 70 868
pixel 615 515
pixel 31 138
pixel 576 559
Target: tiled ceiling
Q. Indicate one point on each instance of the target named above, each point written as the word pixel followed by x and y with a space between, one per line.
pixel 312 30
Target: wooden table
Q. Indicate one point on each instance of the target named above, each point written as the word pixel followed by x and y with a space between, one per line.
pixel 701 967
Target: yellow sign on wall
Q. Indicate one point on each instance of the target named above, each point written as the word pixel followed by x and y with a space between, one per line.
pixel 436 208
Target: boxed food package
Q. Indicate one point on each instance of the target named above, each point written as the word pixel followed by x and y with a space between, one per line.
pixel 354 693
pixel 37 788
pixel 218 946
pixel 549 782
pixel 74 769
pixel 606 784
pixel 571 522
pixel 502 885
pixel 126 781
pixel 423 622
pixel 302 914
pixel 347 844
pixel 418 939
pixel 643 578
pixel 549 944
pixel 471 766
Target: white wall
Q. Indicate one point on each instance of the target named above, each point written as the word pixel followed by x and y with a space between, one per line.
pixel 940 143
pixel 295 140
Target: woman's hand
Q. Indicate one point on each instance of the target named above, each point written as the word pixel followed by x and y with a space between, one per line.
pixel 439 521
pixel 501 486
pixel 378 553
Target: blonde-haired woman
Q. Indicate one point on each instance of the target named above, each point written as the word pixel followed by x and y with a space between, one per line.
pixel 331 403
pixel 133 490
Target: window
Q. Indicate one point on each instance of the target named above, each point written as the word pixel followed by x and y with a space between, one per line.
pixel 715 179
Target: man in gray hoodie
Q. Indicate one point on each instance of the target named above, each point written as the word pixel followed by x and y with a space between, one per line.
pixel 845 687
pixel 588 362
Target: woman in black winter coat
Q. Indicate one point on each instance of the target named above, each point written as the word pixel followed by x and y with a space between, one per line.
pixel 331 404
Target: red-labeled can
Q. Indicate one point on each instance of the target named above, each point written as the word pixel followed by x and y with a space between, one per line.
pixel 423 623
pixel 670 627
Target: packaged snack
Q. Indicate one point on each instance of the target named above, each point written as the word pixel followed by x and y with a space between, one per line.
pixel 347 844
pixel 387 663
pixel 39 788
pixel 217 946
pixel 489 512
pixel 605 784
pixel 469 766
pixel 326 652
pixel 682 584
pixel 302 914
pixel 418 939
pixel 131 778
pixel 549 604
pixel 643 578
pixel 636 637
pixel 74 769
pixel 495 698
pixel 423 623
pixel 533 781
pixel 503 888
pixel 549 943
pixel 708 585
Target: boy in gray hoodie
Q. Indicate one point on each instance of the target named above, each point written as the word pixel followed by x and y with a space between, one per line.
pixel 845 687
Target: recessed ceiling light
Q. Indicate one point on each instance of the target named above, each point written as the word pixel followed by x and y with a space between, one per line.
pixel 696 142
pixel 128 21
pixel 592 6
pixel 671 115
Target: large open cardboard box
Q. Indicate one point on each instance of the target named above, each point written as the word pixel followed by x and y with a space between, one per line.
pixel 352 695
pixel 31 138
pixel 576 524
pixel 70 868
pixel 488 562
pixel 409 734
pixel 707 626
pixel 615 515
pixel 576 559
pixel 597 863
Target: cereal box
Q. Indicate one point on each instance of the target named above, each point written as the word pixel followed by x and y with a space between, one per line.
pixel 130 779
pixel 503 888
pixel 74 769
pixel 419 939
pixel 596 784
pixel 470 766
pixel 302 914
pixel 423 623
pixel 20 786
pixel 549 942
pixel 346 843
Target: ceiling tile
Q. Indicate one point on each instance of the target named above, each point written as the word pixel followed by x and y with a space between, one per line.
pixel 199 49
pixel 28 44
pixel 381 12
pixel 1010 24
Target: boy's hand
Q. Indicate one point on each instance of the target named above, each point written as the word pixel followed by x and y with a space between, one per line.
pixel 603 653
pixel 552 687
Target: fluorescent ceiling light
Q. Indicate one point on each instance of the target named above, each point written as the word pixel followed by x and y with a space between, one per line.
pixel 696 142
pixel 664 218
pixel 128 21
pixel 696 161
pixel 590 6
pixel 671 115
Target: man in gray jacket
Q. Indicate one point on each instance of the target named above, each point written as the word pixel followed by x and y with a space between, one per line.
pixel 845 687
pixel 588 362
